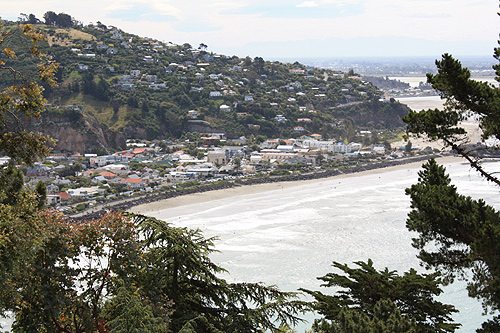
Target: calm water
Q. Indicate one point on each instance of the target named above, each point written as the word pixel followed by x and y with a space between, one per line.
pixel 414 81
pixel 289 237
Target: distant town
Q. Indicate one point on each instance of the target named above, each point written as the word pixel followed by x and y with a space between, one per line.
pixel 77 183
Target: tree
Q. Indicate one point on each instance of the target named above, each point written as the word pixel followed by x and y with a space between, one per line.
pixel 20 99
pixel 41 191
pixel 379 297
pixel 120 273
pixel 258 63
pixel 64 20
pixel 32 19
pixel 50 18
pixel 11 185
pixel 408 147
pixel 466 232
pixel 464 98
pixel 23 99
pixel 178 266
pixel 386 318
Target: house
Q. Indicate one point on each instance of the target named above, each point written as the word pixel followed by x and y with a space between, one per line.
pixel 225 108
pixel 378 149
pixel 112 51
pixel 219 157
pixel 299 129
pixel 133 182
pixel 127 86
pixel 51 188
pixel 98 161
pixel 63 195
pixel 135 73
pixel 280 118
pixel 52 200
pixel 179 176
pixel 301 159
pixel 85 192
pixel 269 144
pixel 193 114
pixel 118 169
pixel 215 94
pixel 253 126
pixel 151 78
pixel 139 151
pixel 98 179
pixel 82 67
pixel 116 35
pixel 234 150
pixel 275 155
pixel 158 86
pixel 298 71
pixel 202 170
pixel 126 45
pixel 285 148
pixel 107 174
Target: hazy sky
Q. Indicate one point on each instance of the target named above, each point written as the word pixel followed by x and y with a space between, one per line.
pixel 300 28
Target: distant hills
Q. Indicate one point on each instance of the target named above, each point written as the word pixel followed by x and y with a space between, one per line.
pixel 116 86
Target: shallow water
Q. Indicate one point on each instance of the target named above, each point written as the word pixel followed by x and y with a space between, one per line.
pixel 289 237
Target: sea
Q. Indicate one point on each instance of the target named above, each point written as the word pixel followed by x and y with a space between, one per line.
pixel 290 236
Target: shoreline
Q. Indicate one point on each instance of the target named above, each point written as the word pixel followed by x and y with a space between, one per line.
pixel 249 189
pixel 154 202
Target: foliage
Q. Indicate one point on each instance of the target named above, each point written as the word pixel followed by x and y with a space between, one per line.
pixel 41 191
pixel 180 268
pixel 142 111
pixel 11 184
pixel 465 233
pixel 23 98
pixel 126 312
pixel 368 295
pixel 124 273
pixel 386 318
pixel 465 98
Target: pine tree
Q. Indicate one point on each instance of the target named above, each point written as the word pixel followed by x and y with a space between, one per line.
pixel 369 298
pixel 465 231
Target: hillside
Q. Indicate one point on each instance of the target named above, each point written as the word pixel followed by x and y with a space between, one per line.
pixel 140 88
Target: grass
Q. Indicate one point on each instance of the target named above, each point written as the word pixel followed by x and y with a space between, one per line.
pixel 67 40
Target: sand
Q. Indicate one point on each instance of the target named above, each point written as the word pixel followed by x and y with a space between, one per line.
pixel 197 198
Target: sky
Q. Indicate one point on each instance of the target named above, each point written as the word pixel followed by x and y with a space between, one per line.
pixel 276 29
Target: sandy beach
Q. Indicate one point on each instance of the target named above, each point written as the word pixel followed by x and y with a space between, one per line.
pixel 197 198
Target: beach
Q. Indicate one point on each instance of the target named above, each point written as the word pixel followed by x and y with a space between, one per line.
pixel 288 233
pixel 202 197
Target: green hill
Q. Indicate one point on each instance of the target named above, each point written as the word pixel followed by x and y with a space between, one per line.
pixel 134 87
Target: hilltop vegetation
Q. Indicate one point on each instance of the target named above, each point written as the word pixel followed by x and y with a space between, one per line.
pixel 147 89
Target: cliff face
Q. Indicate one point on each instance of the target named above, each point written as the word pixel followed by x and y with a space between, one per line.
pixel 75 132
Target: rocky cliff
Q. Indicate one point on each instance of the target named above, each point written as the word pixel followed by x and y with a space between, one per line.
pixel 76 132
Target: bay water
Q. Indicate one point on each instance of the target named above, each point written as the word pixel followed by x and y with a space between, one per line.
pixel 290 236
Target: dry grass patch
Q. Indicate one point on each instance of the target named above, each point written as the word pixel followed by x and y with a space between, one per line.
pixel 66 37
